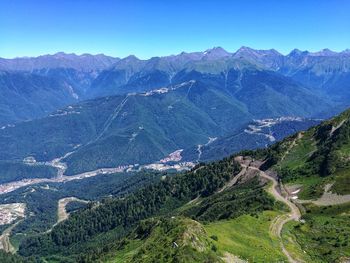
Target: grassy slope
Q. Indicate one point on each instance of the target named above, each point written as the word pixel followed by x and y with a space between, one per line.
pixel 247 237
pixel 156 238
pixel 300 158
pixel 235 203
pixel 324 235
pixel 296 159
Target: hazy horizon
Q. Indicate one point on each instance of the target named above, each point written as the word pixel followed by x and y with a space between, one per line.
pixel 132 54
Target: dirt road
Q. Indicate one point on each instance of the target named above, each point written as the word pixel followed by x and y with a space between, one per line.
pixel 244 164
pixel 62 213
pixel 5 243
pixel 278 224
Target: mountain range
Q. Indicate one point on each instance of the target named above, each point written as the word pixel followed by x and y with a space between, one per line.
pixel 141 128
pixel 69 78
pixel 129 111
pixel 225 211
pixel 128 160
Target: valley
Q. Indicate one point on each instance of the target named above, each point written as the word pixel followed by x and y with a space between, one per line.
pixel 275 219
pixel 174 131
pixel 208 155
pixel 62 178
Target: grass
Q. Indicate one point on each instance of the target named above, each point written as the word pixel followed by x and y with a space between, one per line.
pixel 345 149
pixel 312 187
pixel 299 153
pixel 291 243
pixel 248 237
pixel 125 254
pixel 168 240
pixel 295 162
pixel 16 240
pixel 325 233
pixel 342 182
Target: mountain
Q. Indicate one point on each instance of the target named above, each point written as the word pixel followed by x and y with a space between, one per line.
pixel 164 105
pixel 324 73
pixel 319 153
pixel 257 134
pixel 25 96
pixel 142 128
pixel 33 87
pixel 131 74
pixel 267 58
pixel 288 202
pixel 84 62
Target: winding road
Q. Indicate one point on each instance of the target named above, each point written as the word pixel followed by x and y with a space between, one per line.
pixel 277 224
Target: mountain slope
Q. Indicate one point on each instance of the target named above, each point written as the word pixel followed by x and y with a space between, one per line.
pixel 257 134
pixel 25 96
pixel 235 210
pixel 163 195
pixel 176 239
pixel 146 127
pixel 323 74
pixel 84 62
pixel 327 73
pixel 33 87
pixel 320 153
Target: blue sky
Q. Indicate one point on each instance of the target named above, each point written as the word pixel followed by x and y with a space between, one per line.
pixel 155 28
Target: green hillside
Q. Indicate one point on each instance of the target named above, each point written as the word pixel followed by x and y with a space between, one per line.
pixel 142 128
pixel 15 171
pixel 174 239
pixel 223 211
pixel 315 157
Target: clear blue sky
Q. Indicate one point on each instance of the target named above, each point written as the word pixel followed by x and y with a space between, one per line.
pixel 149 28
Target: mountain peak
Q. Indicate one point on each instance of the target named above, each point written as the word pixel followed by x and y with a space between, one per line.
pixel 297 52
pixel 244 49
pixel 62 55
pixel 216 49
pixel 254 53
pixel 131 58
pixel 216 52
pixel 325 52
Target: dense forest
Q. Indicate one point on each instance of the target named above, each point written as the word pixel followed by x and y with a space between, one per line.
pixel 122 213
pixel 17 170
pixel 128 217
pixel 116 185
